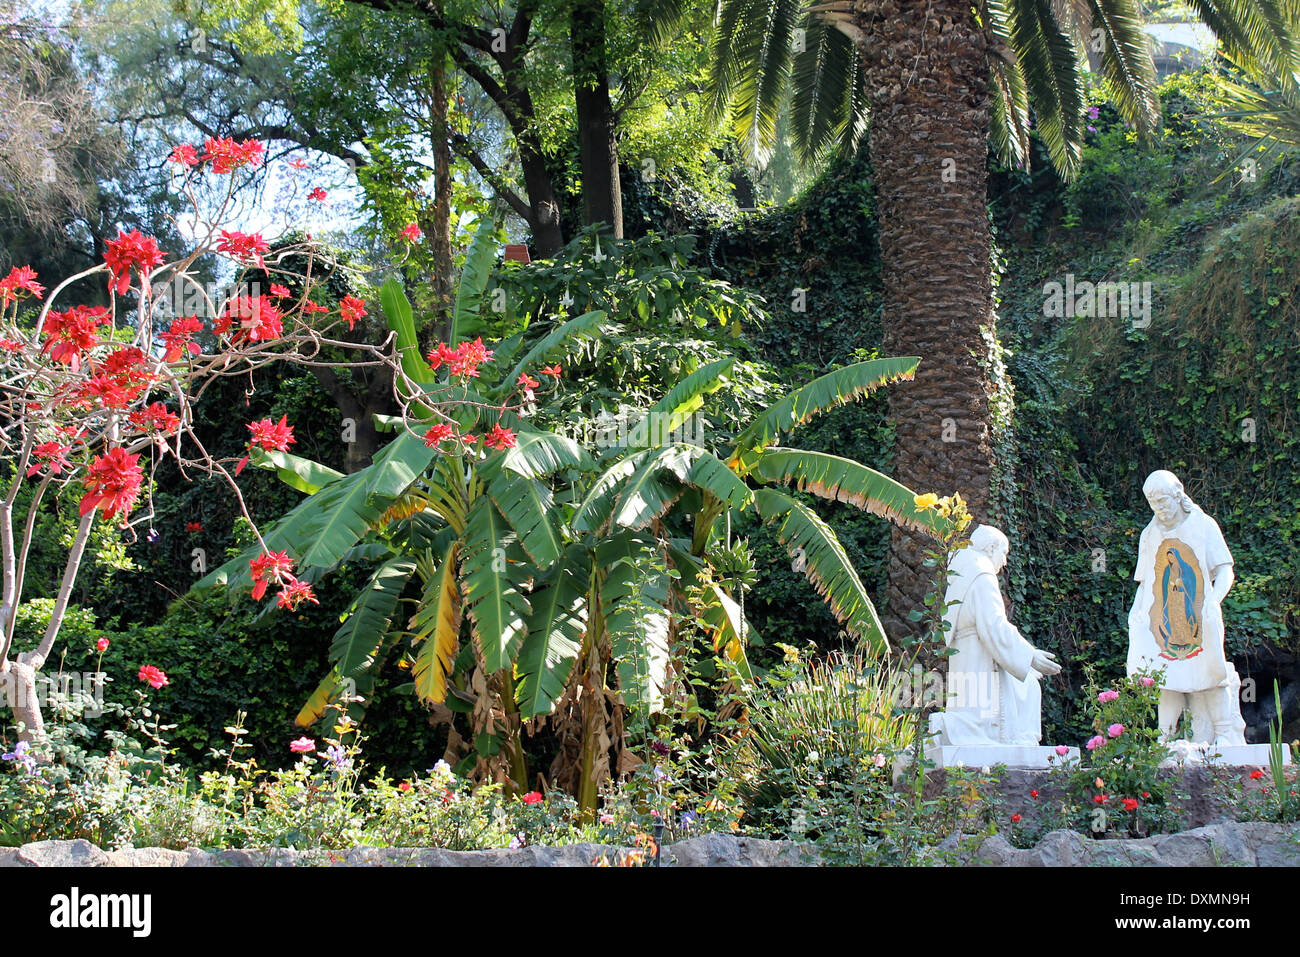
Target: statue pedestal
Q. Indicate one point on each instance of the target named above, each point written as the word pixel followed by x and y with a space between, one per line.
pixel 988 755
pixel 1242 755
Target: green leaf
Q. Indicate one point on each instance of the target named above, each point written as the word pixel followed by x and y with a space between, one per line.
pixel 297 472
pixel 825 563
pixel 843 480
pixel 479 259
pixel 365 626
pixel 527 504
pixel 555 631
pixel 833 389
pixel 586 326
pixel 492 597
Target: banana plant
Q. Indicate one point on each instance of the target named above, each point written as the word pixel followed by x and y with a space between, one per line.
pixel 549 581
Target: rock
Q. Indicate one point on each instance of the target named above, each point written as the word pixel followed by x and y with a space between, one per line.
pixel 148 857
pixel 78 853
pixel 10 857
pixel 723 850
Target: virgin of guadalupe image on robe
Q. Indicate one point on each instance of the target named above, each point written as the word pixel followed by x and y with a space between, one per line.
pixel 1179 591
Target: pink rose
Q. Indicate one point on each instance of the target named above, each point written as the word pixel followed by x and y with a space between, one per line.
pixel 102 644
pixel 1095 742
pixel 1148 682
pixel 1107 696
pixel 302 745
pixel 1115 730
pixel 1062 750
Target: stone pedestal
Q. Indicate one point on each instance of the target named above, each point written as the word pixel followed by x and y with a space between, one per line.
pixel 1239 755
pixel 989 755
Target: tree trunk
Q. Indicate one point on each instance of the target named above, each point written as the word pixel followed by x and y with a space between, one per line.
pixel 18 684
pixel 602 196
pixel 926 78
pixel 439 227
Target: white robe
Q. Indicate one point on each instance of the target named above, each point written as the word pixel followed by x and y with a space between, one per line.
pixel 993 692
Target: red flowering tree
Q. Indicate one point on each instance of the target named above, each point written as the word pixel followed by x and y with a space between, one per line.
pixel 92 398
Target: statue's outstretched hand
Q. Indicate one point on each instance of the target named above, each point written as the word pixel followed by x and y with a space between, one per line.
pixel 1045 663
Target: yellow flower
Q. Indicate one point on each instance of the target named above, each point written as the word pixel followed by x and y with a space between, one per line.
pixel 928 500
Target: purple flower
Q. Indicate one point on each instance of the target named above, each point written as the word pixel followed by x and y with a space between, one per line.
pixel 21 755
pixel 337 756
pixel 688 819
pixel 517 841
pixel 1093 113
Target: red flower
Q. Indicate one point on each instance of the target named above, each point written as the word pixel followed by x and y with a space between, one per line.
pixel 1033 794
pixel 317 194
pixel 12 346
pixel 438 433
pixel 412 233
pixel 279 291
pixel 271 436
pixel 51 455
pixel 1130 804
pixel 1256 774
pixel 73 332
pixel 552 371
pixel 404 786
pixel 1015 819
pixel 310 307
pixel 156 417
pixel 259 319
pixel 102 644
pixel 352 309
pixel 1146 794
pixel 295 593
pixel 500 438
pixel 227 155
pixel 469 356
pixel 532 797
pixel 20 279
pixel 112 483
pixel 529 384
pixel 177 338
pixel 184 155
pixel 153 677
pixel 270 567
pixel 128 251
pixel 193 526
pixel 1100 799
pixel 246 246
pixel 110 393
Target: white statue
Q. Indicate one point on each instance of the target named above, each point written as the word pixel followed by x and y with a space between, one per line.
pixel 1184 570
pixel 993 691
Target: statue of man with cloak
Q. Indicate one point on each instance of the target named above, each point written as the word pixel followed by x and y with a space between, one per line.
pixel 993 692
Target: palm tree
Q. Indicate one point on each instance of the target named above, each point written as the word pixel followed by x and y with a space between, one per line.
pixel 929 82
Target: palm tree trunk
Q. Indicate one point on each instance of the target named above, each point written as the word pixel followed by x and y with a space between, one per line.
pixel 926 77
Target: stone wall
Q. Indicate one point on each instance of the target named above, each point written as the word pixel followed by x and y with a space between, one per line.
pixel 1216 845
